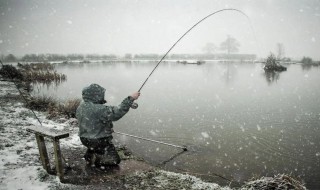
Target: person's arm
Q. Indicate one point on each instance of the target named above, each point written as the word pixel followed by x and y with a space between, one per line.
pixel 117 112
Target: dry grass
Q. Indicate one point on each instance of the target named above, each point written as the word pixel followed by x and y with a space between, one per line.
pixel 278 182
pixel 54 107
pixel 41 103
pixel 36 66
pixel 40 72
pixel 43 76
pixel 67 109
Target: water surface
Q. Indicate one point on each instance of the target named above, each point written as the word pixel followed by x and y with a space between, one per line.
pixel 237 121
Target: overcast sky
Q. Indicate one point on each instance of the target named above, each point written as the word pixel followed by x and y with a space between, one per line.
pixel 152 26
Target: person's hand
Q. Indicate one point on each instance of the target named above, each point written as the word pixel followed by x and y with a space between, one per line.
pixel 135 95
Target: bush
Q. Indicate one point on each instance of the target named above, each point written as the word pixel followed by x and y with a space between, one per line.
pixel 306 60
pixel 272 65
pixel 271 61
pixel 9 71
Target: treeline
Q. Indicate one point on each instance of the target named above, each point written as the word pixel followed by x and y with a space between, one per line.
pixel 56 57
pixel 309 61
pixel 145 56
pixel 128 56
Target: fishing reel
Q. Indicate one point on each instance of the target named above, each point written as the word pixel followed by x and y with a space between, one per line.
pixel 134 105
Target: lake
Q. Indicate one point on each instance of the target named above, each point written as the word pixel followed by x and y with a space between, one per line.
pixel 237 121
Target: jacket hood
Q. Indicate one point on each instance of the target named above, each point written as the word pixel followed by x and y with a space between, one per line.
pixel 93 93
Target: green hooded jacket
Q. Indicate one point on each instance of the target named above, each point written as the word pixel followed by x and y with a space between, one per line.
pixel 95 119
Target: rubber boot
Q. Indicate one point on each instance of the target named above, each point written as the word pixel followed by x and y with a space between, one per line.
pixel 89 157
pixel 106 160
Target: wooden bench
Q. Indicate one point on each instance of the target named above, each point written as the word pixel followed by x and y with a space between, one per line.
pixel 40 133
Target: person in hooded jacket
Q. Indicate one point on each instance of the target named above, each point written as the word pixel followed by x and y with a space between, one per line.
pixel 96 127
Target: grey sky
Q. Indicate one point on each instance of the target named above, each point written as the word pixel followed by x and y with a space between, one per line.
pixel 152 26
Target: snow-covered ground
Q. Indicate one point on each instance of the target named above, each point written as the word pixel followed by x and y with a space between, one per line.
pixel 20 167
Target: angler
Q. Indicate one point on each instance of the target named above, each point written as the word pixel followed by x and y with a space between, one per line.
pixel 96 127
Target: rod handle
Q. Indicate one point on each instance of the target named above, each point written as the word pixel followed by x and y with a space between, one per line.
pixel 134 105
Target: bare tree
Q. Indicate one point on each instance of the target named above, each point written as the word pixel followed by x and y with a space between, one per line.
pixel 10 58
pixel 231 45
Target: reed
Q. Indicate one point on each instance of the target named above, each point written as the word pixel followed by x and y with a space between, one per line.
pixel 66 109
pixel 43 76
pixel 36 66
pixel 41 72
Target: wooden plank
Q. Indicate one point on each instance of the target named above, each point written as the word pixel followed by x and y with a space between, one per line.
pixel 43 153
pixel 58 160
pixel 42 131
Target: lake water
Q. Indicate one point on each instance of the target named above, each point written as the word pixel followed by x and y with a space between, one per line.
pixel 236 121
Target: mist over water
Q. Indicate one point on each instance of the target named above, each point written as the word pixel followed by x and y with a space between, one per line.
pixel 236 120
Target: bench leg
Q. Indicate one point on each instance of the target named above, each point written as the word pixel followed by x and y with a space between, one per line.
pixel 58 160
pixel 43 153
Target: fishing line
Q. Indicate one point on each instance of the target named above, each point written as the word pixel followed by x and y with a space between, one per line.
pixel 170 159
pixel 155 141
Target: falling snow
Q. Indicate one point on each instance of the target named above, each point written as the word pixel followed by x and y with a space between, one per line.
pixel 205 134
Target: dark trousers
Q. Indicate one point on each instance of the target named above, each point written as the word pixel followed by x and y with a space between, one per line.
pixel 100 146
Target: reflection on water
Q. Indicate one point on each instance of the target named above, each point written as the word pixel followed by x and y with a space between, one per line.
pixel 230 72
pixel 306 66
pixel 272 76
pixel 233 121
pixel 37 87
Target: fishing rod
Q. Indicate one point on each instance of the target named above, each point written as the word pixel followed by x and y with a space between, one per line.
pixel 135 105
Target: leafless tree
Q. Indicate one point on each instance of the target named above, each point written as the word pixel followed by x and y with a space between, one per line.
pixel 231 45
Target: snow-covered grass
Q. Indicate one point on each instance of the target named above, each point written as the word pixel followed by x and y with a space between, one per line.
pixel 161 179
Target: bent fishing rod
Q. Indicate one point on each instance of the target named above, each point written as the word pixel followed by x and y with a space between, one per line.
pixel 135 105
